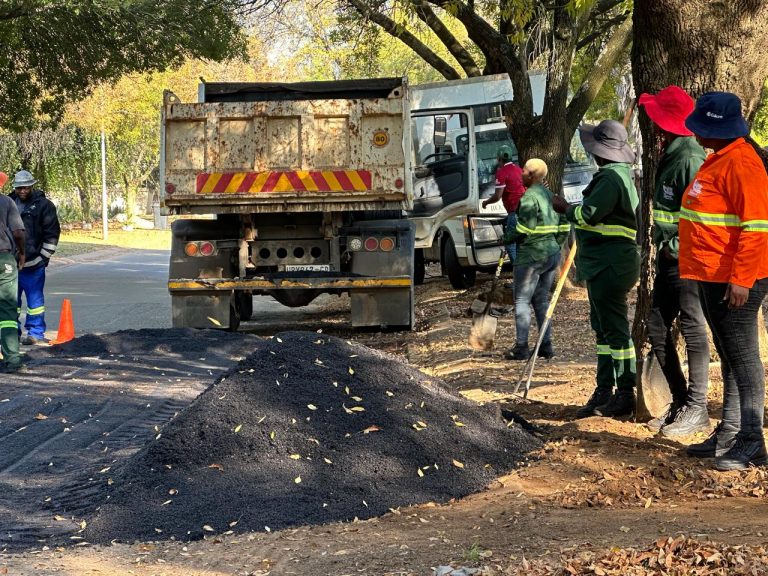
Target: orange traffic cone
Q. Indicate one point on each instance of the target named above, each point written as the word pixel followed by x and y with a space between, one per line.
pixel 66 325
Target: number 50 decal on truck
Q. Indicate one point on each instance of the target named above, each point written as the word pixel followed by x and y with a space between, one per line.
pixel 308 185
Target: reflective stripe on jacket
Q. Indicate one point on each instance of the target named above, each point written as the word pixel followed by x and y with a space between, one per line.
pixel 42 227
pixel 724 219
pixel 540 230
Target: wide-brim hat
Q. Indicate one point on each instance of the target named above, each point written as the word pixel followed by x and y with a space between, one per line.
pixel 668 109
pixel 3 179
pixel 607 140
pixel 23 179
pixel 718 115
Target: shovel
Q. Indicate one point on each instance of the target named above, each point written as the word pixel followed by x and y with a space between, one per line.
pixel 484 324
pixel 528 368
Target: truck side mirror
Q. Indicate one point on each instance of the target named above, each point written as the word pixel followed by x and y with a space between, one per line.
pixel 441 128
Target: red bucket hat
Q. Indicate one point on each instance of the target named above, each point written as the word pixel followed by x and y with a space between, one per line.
pixel 3 178
pixel 668 109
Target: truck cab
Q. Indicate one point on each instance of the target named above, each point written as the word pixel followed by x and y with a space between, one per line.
pixel 454 159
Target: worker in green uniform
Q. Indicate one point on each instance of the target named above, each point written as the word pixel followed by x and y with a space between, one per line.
pixel 539 234
pixel 674 297
pixel 608 260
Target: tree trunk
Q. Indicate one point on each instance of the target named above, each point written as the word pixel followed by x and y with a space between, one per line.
pixel 699 45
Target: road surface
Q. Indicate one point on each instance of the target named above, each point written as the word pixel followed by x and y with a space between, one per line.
pixel 115 290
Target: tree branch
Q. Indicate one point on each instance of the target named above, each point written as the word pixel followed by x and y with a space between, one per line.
pixel 596 77
pixel 399 32
pixel 458 51
pixel 607 25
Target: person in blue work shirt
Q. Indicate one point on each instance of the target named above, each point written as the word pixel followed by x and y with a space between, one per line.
pixel 42 229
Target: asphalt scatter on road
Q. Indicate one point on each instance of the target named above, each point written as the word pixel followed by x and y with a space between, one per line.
pixel 307 429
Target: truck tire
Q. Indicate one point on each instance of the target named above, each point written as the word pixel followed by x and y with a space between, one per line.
pixel 460 277
pixel 244 305
pixel 418 267
pixel 234 317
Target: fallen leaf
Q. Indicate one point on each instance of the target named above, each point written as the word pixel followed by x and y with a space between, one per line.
pixel 238 428
pixel 624 529
pixel 357 398
pixel 458 464
pixel 420 473
pixel 103 470
pixel 166 502
pixel 41 416
pixel 267 528
pixel 327 461
pixel 208 528
pixel 372 428
pixel 271 435
pixel 214 321
pixel 311 406
pixel 390 393
pixel 217 467
pixel 59 518
pixel 278 339
pixel 357 409
pixel 297 480
pixel 295 456
pixel 457 423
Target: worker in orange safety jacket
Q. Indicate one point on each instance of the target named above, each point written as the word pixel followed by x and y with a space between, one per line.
pixel 723 233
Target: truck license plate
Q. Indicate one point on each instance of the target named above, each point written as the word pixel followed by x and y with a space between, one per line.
pixel 307 267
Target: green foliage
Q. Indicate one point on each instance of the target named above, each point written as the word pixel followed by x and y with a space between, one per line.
pixel 760 122
pixel 53 52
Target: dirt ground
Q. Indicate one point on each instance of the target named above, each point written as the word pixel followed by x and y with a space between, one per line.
pixel 602 497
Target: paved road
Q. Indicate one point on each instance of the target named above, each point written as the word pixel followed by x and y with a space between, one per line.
pixel 121 290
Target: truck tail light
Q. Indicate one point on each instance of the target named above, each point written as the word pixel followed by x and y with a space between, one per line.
pixel 204 248
pixel 387 244
pixel 399 183
pixel 371 243
pixel 170 188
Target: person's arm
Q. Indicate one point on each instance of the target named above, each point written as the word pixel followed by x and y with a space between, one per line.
pixel 496 196
pixel 51 231
pixel 21 238
pixel 746 186
pixel 527 217
pixel 600 199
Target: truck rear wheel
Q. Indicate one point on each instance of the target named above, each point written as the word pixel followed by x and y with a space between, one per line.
pixel 460 277
pixel 244 302
pixel 418 267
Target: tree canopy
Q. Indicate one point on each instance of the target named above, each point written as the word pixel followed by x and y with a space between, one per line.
pixel 53 52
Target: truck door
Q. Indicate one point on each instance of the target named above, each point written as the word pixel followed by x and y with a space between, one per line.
pixel 445 169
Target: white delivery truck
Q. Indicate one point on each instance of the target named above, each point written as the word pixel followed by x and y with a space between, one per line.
pixel 457 129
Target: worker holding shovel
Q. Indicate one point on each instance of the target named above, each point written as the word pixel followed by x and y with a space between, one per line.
pixel 538 235
pixel 609 260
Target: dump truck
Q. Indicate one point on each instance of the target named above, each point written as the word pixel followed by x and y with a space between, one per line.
pixel 292 190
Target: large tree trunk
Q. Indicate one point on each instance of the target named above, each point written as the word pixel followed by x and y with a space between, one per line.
pixel 700 45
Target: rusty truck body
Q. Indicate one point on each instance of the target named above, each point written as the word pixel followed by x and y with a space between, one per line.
pixel 292 190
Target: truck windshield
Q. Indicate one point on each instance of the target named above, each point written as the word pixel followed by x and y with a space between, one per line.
pixel 488 143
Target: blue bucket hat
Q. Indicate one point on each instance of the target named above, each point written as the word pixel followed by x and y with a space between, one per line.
pixel 717 115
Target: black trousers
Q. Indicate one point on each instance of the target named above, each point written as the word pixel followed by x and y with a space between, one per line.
pixel 673 297
pixel 735 333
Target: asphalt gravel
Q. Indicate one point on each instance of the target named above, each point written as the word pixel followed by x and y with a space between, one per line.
pixel 307 429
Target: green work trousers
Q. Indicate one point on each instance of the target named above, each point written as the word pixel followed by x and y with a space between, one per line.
pixel 9 314
pixel 616 362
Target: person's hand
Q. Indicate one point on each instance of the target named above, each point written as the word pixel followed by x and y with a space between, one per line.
pixel 560 204
pixel 22 260
pixel 736 295
pixel 666 253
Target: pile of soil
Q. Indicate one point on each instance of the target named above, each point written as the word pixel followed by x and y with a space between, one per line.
pixel 308 429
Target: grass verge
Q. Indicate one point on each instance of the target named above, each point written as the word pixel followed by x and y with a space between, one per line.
pixel 74 242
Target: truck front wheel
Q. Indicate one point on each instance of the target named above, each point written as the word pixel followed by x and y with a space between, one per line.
pixel 460 277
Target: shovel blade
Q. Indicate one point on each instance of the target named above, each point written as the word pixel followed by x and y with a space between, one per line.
pixel 483 332
pixel 654 394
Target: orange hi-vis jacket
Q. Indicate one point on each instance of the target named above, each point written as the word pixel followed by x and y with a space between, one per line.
pixel 724 219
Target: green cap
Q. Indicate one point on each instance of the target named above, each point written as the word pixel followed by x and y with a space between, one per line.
pixel 504 152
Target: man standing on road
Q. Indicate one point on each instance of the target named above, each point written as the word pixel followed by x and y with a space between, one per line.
pixel 42 229
pixel 672 297
pixel 12 241
pixel 509 189
pixel 609 260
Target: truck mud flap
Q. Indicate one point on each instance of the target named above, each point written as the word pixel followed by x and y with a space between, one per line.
pixel 209 309
pixel 383 308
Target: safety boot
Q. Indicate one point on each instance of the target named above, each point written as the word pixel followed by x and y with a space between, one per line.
pixel 519 352
pixel 600 396
pixel 622 403
pixel 718 443
pixel 667 417
pixel 687 421
pixel 743 454
pixel 546 351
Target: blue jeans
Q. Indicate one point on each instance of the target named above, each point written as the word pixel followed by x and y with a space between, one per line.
pixel 532 284
pixel 511 225
pixel 735 333
pixel 32 284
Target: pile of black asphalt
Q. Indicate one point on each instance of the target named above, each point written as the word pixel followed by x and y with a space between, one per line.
pixel 307 429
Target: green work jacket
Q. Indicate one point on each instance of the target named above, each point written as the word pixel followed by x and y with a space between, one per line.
pixel 679 164
pixel 540 230
pixel 606 226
